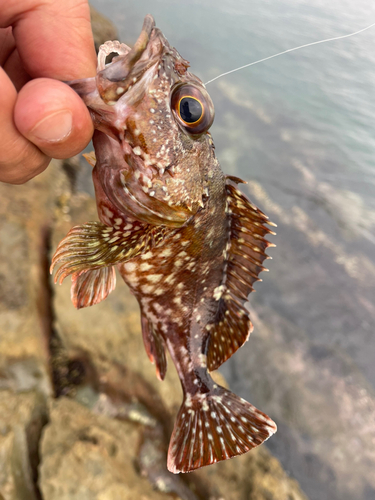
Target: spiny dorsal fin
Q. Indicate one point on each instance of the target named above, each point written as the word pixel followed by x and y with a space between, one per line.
pixel 244 257
pixel 94 245
pixel 92 286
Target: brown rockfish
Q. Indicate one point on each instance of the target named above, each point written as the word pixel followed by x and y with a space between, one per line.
pixel 187 242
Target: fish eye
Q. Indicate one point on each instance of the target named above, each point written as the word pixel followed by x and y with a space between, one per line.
pixel 193 108
pixel 190 110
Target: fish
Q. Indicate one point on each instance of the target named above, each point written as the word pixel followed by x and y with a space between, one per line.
pixel 185 239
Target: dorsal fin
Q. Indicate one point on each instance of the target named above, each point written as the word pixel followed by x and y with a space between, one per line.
pixel 244 257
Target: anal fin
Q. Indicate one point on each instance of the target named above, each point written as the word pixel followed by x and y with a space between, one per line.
pixel 244 258
pixel 215 426
pixel 154 345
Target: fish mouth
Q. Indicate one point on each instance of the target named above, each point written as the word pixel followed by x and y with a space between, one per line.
pixel 115 79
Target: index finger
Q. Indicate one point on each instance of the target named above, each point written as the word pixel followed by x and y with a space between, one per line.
pixel 53 37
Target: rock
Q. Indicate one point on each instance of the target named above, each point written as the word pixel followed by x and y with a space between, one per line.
pixel 25 214
pixel 256 475
pixel 22 417
pixel 90 457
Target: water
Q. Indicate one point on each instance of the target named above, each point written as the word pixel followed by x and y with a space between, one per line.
pixel 301 130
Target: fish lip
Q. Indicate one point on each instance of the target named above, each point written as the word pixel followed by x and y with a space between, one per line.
pixel 119 70
pixel 114 80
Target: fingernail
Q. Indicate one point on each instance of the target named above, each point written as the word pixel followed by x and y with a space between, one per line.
pixel 53 128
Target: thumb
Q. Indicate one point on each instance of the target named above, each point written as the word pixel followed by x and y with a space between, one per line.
pixel 53 117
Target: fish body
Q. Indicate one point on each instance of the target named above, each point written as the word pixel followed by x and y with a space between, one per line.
pixel 187 242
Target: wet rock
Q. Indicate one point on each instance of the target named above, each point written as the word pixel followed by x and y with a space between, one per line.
pixel 85 456
pixel 22 417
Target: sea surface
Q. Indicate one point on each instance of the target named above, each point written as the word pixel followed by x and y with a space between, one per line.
pixel 301 130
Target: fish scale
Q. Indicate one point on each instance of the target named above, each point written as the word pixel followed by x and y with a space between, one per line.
pixel 184 238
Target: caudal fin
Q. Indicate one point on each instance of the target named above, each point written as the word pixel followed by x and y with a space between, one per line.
pixel 215 426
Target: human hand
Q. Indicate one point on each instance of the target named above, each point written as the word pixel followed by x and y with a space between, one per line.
pixel 41 42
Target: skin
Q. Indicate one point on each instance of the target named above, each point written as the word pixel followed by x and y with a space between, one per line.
pixel 42 44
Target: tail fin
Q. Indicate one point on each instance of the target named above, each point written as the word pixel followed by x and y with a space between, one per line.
pixel 215 426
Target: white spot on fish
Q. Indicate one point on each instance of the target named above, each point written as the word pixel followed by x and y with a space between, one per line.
pixel 146 256
pixel 170 279
pixel 145 266
pixel 130 266
pixel 107 212
pixel 154 278
pixel 167 252
pixel 147 288
pixel 218 292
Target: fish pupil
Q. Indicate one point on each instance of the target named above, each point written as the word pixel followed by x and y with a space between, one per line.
pixel 190 109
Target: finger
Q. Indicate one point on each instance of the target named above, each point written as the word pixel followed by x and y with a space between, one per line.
pixel 7 44
pixel 19 159
pixel 10 59
pixel 15 71
pixel 53 117
pixel 54 38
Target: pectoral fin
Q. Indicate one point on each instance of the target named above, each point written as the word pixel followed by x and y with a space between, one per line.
pixel 93 246
pixel 92 286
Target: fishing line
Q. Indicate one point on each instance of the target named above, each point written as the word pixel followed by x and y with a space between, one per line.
pixel 290 50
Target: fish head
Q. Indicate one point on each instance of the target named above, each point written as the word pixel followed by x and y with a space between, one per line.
pixel 158 114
